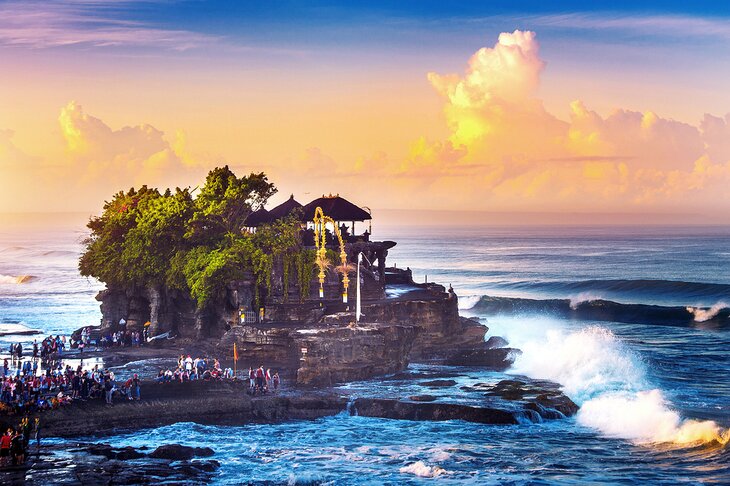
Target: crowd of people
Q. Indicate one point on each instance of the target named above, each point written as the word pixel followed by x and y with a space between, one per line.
pixel 23 390
pixel 262 381
pixel 117 339
pixel 50 348
pixel 191 369
pixel 14 442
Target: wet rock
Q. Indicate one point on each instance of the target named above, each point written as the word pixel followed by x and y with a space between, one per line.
pixel 177 452
pixel 435 411
pixel 498 359
pixel 496 342
pixel 438 383
pixel 90 464
pixel 422 398
pixel 105 450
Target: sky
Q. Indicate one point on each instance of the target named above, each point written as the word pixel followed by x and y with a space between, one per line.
pixel 566 108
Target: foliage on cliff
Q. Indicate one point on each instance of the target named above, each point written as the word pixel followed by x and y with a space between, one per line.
pixel 191 243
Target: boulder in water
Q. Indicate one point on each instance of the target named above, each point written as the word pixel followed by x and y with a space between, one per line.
pixel 177 452
pixel 498 359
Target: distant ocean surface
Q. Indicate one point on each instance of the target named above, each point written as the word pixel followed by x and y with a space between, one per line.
pixel 655 399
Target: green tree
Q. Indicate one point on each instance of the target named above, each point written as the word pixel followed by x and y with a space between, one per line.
pixel 224 203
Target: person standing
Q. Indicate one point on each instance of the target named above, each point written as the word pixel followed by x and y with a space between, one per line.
pixel 5 442
pixel 37 427
pixel 136 387
pixel 108 389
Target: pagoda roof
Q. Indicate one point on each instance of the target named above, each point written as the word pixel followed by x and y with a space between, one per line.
pixel 257 218
pixel 337 208
pixel 284 209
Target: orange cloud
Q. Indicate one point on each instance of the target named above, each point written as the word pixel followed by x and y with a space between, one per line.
pixel 513 154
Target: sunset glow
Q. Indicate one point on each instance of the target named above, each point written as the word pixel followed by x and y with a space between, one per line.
pixel 483 110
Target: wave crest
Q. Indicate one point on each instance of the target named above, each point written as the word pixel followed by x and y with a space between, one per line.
pixel 607 380
pixel 423 470
pixel 19 279
pixel 701 315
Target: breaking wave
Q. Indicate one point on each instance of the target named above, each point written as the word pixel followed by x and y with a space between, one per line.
pixel 589 307
pixel 19 279
pixel 423 470
pixel 703 315
pixel 663 290
pixel 608 381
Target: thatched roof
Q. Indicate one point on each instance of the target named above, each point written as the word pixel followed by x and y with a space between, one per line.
pixel 257 218
pixel 337 208
pixel 284 209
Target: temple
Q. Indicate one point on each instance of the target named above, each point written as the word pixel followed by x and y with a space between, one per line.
pixel 303 321
pixel 345 216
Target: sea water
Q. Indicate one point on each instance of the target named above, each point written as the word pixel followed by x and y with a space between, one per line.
pixel 655 400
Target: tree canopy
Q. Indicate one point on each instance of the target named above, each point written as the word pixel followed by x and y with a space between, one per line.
pixel 191 243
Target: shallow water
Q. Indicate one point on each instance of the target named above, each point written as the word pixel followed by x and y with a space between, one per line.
pixel 643 388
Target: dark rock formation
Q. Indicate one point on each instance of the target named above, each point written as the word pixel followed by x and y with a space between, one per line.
pixel 172 310
pixel 507 402
pixel 441 331
pixel 214 402
pixel 74 464
pixel 177 452
pixel 402 410
pixel 496 342
pixel 497 359
pixel 342 354
pixel 422 398
pixel 438 383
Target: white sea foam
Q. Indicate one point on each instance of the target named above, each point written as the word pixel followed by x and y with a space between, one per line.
pixel 16 279
pixel 702 315
pixel 422 470
pixel 606 379
pixel 575 301
pixel 468 301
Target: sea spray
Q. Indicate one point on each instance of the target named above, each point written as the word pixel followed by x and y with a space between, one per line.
pixel 645 417
pixel 16 279
pixel 702 315
pixel 605 378
pixel 468 301
pixel 577 300
pixel 420 469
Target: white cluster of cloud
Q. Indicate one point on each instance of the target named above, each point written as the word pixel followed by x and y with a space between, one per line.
pixel 93 162
pixel 512 153
pixel 504 152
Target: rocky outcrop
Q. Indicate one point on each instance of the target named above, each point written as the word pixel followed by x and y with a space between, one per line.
pixel 441 331
pixel 323 355
pixel 507 402
pixel 406 410
pixel 205 402
pixel 177 452
pixel 341 354
pixel 172 310
pixel 74 464
pixel 497 359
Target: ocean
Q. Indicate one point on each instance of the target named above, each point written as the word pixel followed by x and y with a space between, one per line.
pixel 655 399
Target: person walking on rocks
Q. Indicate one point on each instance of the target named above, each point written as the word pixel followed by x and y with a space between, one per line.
pixel 109 389
pixel 135 387
pixel 260 379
